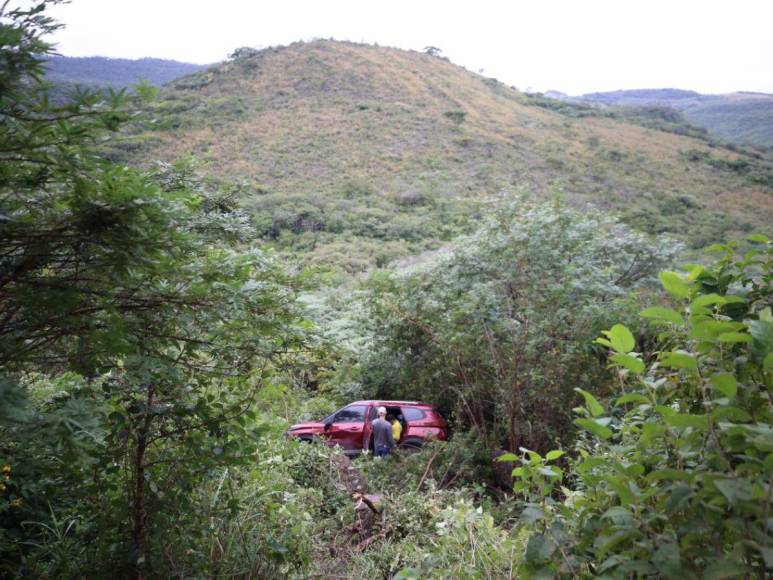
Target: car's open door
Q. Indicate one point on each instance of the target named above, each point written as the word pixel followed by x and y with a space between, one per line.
pixel 346 427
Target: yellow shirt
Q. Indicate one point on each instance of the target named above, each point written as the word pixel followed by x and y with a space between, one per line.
pixel 397 430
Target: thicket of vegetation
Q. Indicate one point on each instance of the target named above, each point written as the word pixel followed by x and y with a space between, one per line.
pixel 152 357
pixel 499 331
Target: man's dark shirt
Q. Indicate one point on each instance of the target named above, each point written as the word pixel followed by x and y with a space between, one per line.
pixel 382 434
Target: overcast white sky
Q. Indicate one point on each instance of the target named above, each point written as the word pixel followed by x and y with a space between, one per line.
pixel 573 46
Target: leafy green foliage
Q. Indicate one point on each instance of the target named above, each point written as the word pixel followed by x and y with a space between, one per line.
pixel 120 289
pixel 497 329
pixel 675 478
pixel 151 358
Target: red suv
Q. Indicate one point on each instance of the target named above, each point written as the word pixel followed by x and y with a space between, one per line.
pixel 350 427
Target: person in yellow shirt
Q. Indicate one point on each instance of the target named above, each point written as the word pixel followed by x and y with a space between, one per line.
pixel 397 428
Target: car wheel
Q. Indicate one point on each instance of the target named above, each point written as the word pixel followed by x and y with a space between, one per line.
pixel 411 446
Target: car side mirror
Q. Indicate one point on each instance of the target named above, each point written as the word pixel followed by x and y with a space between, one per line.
pixel 328 425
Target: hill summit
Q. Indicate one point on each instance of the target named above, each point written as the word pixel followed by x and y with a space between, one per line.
pixel 383 144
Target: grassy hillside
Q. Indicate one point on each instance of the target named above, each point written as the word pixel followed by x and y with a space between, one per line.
pixel 357 154
pixel 737 117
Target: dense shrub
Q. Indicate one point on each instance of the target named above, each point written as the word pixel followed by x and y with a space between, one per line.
pixel 498 331
pixel 674 477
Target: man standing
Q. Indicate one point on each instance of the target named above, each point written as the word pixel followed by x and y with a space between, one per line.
pixel 383 442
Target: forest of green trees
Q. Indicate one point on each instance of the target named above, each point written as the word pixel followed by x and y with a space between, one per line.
pixel 610 405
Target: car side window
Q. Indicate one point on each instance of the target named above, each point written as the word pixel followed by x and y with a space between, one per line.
pixel 373 413
pixel 351 414
pixel 413 414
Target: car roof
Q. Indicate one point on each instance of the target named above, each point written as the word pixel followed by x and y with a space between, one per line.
pixel 391 403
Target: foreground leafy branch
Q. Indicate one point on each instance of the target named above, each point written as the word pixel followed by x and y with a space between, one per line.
pixel 676 474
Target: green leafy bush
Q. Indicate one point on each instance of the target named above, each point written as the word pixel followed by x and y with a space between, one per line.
pixel 674 476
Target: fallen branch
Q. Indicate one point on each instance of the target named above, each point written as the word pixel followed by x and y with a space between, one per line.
pixel 426 471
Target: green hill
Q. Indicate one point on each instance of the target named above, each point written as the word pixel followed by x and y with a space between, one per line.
pixel 353 155
pixel 738 117
pixel 100 71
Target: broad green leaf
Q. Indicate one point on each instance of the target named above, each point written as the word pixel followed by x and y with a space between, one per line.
pixel 594 427
pixel 735 490
pixel 619 338
pixel 615 559
pixel 733 299
pixel 715 248
pixel 533 455
pixel 694 272
pixel 768 363
pixel 758 238
pixel 731 414
pixel 725 383
pixel 679 360
pixel 633 364
pixel 679 494
pixel 555 454
pixel 508 457
pixel 622 339
pixel 621 489
pixel 710 329
pixel 669 475
pixel 633 470
pixel 591 462
pixel 593 405
pixel 605 542
pixel 539 549
pixel 619 515
pixel 663 314
pixel 632 398
pixel 687 420
pixel 707 300
pixel 762 332
pixel 667 560
pixel 734 337
pixel 674 284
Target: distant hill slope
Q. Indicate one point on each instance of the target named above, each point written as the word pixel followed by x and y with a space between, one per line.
pixel 737 117
pixel 99 71
pixel 358 154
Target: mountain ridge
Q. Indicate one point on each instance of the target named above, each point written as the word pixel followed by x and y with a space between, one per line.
pixel 103 72
pixel 739 117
